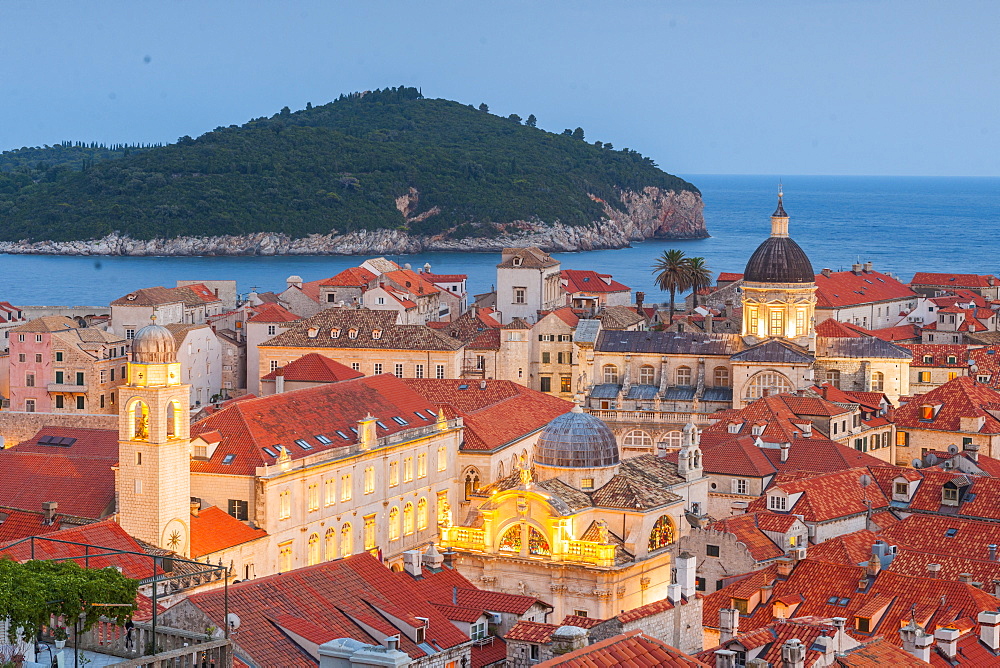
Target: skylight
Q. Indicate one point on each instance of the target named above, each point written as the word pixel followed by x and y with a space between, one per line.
pixel 343 435
pixel 269 451
pixel 399 420
pixel 228 459
pixel 463 387
pixel 323 439
pixel 420 415
pixel 951 533
pixel 302 443
pixel 355 430
pixel 381 424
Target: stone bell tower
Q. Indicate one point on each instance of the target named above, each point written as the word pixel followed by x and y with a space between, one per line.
pixel 154 462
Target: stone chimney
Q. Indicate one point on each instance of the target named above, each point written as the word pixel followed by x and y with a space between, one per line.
pixel 992 548
pixel 793 654
pixel 674 593
pixel 49 509
pixel 947 640
pixel 686 565
pixel 916 641
pixel 640 297
pixel 785 447
pixel 279 380
pixel 432 558
pixel 729 624
pixel 965 577
pixel 366 432
pixel 932 570
pixel 411 562
pixel 195 506
pixel 757 663
pixel 826 272
pixel 725 658
pixel 449 558
pixel 989 629
pixel 868 267
pixel 785 565
pixel 708 323
pixel 856 268
pixel 566 639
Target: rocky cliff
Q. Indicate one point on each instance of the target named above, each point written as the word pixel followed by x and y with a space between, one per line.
pixel 651 213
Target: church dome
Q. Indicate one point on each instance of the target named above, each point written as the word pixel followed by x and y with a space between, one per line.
pixel 779 259
pixel 576 440
pixel 154 344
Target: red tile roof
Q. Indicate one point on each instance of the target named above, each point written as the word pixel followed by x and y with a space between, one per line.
pixel 448 586
pixel 566 313
pixel 747 530
pixel 589 281
pixel 845 288
pixel 634 650
pixel 959 398
pixel 852 548
pixel 781 414
pixel 443 278
pixel 930 279
pixel 367 594
pixel 770 639
pixel 898 333
pixel 736 456
pixel 492 650
pixel 212 530
pixel 829 496
pixel 411 281
pixel 937 354
pixel 835 328
pixel 580 622
pixel 79 477
pixel 314 368
pixel 533 632
pixel 987 361
pixel 495 416
pixel 18 524
pixel 352 277
pixel 879 653
pixel 271 312
pixel 728 276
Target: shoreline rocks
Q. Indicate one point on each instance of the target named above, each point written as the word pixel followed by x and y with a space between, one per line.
pixel 649 214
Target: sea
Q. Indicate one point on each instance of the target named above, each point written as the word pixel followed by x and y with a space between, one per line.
pixel 900 224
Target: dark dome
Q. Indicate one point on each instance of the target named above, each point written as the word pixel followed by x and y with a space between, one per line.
pixel 576 440
pixel 779 260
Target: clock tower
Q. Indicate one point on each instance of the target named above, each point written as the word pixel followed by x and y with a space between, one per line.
pixel 154 463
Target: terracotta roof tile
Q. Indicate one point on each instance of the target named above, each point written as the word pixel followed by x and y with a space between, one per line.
pixel 212 530
pixel 901 333
pixel 365 322
pixel 930 279
pixel 533 632
pixel 736 456
pixel 492 651
pixel 18 524
pixel 314 368
pixel 835 328
pixel 581 622
pixel 959 398
pixel 829 496
pixel 271 312
pixel 772 637
pixel 354 277
pixel 530 258
pixel 747 530
pixel 937 354
pixel 845 288
pixel 852 549
pixel 634 650
pixel 589 281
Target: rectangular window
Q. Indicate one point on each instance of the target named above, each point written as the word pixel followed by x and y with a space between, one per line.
pixel 59 401
pixel 104 376
pixel 399 371
pixel 519 295
pixel 79 378
pixel 129 334
pixel 345 487
pixel 20 337
pixel 481 362
pixel 418 371
pixel 313 497
pixel 330 492
pixel 113 374
pixel 902 438
pixel 408 469
pixel 700 584
pixel 378 368
pixel 712 550
pixel 740 486
pixel 102 401
pixel 924 377
pixel 479 630
pixel 422 465
pixel 239 509
pixel 534 653
pixel 29 380
pixel 369 532
pixel 285 556
pixel 565 384
pixel 22 358
pixel 776 502
pixel 38 338
pixel 60 378
pixel 369 480
pixel 439 371
pixel 902 488
pixel 442 458
pixel 356 366
pixel 272 330
pixel 545 383
pixel 546 358
pixel 38 358
pixel 950 494
pixel 284 505
pixel 80 403
pixel 393 474
pixel 952 375
pixel 274 365
pixel 776 324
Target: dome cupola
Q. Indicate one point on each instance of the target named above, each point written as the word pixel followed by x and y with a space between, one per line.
pixel 576 440
pixel 779 259
pixel 154 344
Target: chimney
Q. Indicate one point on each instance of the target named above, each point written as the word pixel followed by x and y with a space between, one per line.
pixel 195 506
pixel 989 629
pixel 874 566
pixel 392 643
pixel 674 593
pixel 449 559
pixel 922 646
pixel 965 577
pixel 566 639
pixel 757 663
pixel 686 564
pixel 868 267
pixel 932 570
pixel 793 654
pixel 279 380
pixel 725 658
pixel 856 268
pixel 729 624
pixel 785 447
pixel 826 272
pixel 992 551
pixel 482 385
pixel 432 558
pixel 708 323
pixel 738 507
pixel 367 436
pixel 947 640
pixel 49 509
pixel 785 565
pixel 411 562
pixel 640 297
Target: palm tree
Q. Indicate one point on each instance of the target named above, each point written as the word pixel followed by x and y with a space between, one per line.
pixel 699 276
pixel 671 274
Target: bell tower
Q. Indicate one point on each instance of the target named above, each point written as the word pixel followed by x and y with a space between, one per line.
pixel 154 463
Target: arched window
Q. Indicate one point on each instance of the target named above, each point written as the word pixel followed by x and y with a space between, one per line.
pixel 662 533
pixel 646 373
pixel 767 382
pixel 683 375
pixel 511 540
pixel 408 518
pixel 499 470
pixel 610 373
pixel 331 544
pixel 537 543
pixel 139 419
pixel 833 377
pixel 173 414
pixel 394 523
pixel 638 437
pixel 720 377
pixel 421 514
pixel 346 540
pixel 878 381
pixel 670 441
pixel 471 483
pixel 313 553
pixel 515 463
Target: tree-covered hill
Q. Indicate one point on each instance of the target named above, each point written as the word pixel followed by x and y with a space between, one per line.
pixel 336 167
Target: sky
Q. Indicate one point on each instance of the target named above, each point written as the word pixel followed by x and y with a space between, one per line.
pixel 859 87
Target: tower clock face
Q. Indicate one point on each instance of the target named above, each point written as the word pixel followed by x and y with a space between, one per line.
pixel 175 536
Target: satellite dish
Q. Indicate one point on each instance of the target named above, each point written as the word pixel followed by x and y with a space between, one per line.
pixel 233 620
pixel 952 449
pixel 917 463
pixel 2 442
pixel 865 480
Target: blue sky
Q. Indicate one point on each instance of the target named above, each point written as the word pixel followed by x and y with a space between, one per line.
pixel 822 87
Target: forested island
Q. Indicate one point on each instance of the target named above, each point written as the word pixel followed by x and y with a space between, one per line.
pixel 380 171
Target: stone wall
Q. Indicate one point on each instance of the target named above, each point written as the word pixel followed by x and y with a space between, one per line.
pixel 17 426
pixel 733 559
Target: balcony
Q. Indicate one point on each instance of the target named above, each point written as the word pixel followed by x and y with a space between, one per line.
pixel 650 417
pixel 173 647
pixel 66 388
pixel 464 538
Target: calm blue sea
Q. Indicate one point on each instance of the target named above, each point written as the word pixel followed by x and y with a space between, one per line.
pixel 901 224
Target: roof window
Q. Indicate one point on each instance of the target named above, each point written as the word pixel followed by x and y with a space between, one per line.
pixel 381 424
pixel 302 443
pixel 355 430
pixel 228 459
pixel 352 333
pixel 463 387
pixel 928 359
pixel 399 420
pixel 343 435
pixel 323 439
pixel 335 333
pixel 516 261
pixel 421 415
pixel 376 333
pixel 312 332
pixel 269 451
pixel 951 533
